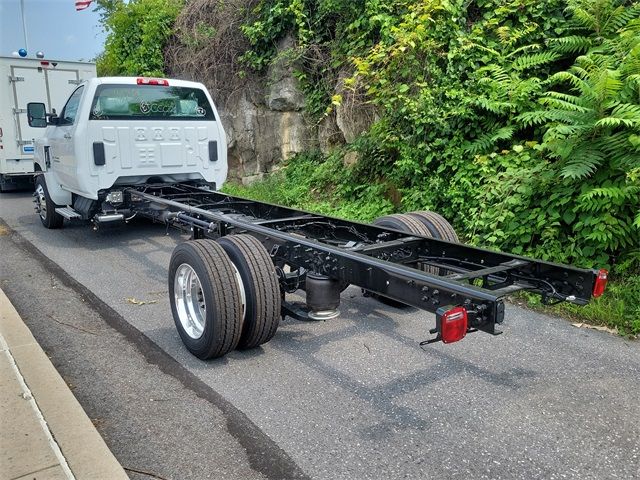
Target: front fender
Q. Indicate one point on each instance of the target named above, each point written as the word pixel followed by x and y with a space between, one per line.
pixel 58 195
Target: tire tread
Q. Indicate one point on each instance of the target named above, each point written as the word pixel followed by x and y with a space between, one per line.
pixel 438 223
pixel 263 327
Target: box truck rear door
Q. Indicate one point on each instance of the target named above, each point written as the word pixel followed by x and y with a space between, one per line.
pixel 32 89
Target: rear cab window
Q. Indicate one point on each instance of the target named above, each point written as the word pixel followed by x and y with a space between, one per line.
pixel 150 102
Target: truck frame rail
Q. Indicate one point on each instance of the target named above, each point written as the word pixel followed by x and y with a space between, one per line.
pixel 427 273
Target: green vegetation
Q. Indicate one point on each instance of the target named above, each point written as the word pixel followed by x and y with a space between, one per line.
pixel 137 33
pixel 519 121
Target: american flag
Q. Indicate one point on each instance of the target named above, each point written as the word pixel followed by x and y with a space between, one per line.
pixel 82 4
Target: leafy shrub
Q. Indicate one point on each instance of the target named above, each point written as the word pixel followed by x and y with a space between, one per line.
pixel 137 32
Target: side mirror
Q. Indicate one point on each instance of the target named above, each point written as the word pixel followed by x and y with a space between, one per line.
pixel 36 115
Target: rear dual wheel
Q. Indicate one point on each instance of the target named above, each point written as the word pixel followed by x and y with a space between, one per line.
pixel 423 223
pixel 437 225
pixel 224 295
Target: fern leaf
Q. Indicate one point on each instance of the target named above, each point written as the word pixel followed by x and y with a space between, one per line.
pixel 538 117
pixel 573 79
pixel 582 164
pixel 488 140
pixel 628 111
pixel 620 18
pixel 563 104
pixel 571 44
pixel 614 122
pixel 493 106
pixel 533 60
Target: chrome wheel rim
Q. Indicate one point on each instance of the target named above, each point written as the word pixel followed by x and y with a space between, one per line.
pixel 41 202
pixel 189 300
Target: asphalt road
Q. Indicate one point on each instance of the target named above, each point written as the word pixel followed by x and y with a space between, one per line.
pixel 356 397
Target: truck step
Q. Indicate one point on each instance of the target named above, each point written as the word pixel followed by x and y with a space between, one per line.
pixel 68 213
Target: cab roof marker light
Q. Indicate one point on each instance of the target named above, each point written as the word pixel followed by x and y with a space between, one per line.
pixel 601 283
pixel 152 81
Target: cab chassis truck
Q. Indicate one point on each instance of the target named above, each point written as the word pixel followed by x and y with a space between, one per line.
pixel 228 283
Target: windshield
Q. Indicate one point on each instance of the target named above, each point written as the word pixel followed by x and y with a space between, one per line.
pixel 150 102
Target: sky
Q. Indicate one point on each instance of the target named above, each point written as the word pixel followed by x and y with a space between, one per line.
pixel 53 27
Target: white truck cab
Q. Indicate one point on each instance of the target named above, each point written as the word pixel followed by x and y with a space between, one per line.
pixel 119 131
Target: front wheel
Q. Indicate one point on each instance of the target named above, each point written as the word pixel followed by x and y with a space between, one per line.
pixel 45 207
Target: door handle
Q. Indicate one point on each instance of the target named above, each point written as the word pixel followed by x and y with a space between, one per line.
pixel 67 136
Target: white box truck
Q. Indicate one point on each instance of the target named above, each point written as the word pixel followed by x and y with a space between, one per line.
pixel 23 81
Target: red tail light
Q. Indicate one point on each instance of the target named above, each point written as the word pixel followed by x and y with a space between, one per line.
pixel 453 324
pixel 152 81
pixel 601 283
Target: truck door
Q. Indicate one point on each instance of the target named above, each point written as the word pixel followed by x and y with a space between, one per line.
pixel 61 141
pixel 29 85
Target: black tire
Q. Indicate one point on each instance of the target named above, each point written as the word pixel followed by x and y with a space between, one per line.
pixel 262 290
pixel 409 224
pixel 45 207
pixel 221 294
pixel 437 225
pixel 404 223
pixel 438 228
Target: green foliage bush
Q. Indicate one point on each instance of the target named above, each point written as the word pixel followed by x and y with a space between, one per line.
pixel 517 120
pixel 310 182
pixel 137 32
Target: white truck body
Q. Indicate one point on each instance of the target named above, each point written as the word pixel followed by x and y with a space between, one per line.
pixel 125 131
pixel 25 80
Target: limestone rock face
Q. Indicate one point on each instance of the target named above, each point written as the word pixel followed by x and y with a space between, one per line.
pixel 265 122
pixel 353 116
pixel 260 138
pixel 263 114
pixel 329 135
pixel 284 93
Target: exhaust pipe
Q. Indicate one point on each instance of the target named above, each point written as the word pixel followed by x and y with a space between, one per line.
pixel 112 217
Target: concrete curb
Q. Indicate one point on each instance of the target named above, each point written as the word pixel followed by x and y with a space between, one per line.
pixel 44 432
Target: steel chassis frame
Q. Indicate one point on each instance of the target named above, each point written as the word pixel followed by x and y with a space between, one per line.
pixel 384 261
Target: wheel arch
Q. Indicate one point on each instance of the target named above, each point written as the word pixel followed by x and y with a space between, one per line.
pixel 57 194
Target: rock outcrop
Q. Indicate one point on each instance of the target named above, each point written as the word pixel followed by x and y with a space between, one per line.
pixel 263 115
pixel 265 125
